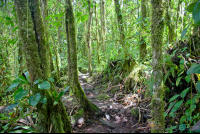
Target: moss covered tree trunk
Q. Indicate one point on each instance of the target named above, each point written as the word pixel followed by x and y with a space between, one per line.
pixel 89 108
pixel 128 61
pixel 97 31
pixel 51 118
pixel 170 25
pixel 20 56
pixel 143 50
pixel 103 27
pixel 157 102
pixel 89 39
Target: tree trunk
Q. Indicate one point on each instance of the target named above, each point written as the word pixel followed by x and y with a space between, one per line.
pixel 157 102
pixel 103 27
pixel 20 56
pixel 170 25
pixel 89 39
pixel 33 36
pixel 97 36
pixel 121 27
pixel 89 108
pixel 143 50
pixel 128 61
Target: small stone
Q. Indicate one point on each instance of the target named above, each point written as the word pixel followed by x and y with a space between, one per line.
pixel 106 123
pixel 107 117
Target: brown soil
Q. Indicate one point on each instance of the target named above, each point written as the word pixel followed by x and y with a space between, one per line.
pixel 117 117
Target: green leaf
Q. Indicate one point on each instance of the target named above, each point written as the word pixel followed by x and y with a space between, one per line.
pixel 183 33
pixel 193 107
pixel 17 91
pixel 78 14
pixel 184 92
pixel 171 114
pixel 21 94
pixel 198 86
pixel 43 100
pixel 27 76
pixel 8 18
pixel 183 119
pixel 191 7
pixel 44 85
pixel 51 79
pixel 187 112
pixel 176 106
pixel 84 18
pixel 188 78
pixel 173 98
pixel 171 105
pixel 189 102
pixel 37 81
pixel 196 13
pixel 33 100
pixel 55 103
pixel 22 79
pixel 182 127
pixel 13 85
pixel 165 114
pixel 63 92
pixel 12 106
pixel 194 69
pixel 15 29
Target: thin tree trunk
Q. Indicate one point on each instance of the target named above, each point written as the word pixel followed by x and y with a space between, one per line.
pixel 103 27
pixel 143 50
pixel 97 36
pixel 157 102
pixel 89 108
pixel 171 27
pixel 89 39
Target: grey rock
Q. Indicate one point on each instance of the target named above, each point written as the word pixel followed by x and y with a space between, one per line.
pixel 106 123
pixel 196 126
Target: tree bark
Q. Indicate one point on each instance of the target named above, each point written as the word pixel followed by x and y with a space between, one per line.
pixel 170 25
pixel 143 50
pixel 89 39
pixel 97 36
pixel 157 102
pixel 33 36
pixel 103 27
pixel 89 108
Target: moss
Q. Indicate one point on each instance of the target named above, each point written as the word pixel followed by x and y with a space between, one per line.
pixel 135 112
pixel 103 97
pixel 79 114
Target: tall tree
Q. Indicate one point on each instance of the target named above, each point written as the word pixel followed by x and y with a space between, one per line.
pixel 89 39
pixel 97 31
pixel 128 61
pixel 103 27
pixel 157 103
pixel 170 25
pixel 51 118
pixel 89 108
pixel 143 50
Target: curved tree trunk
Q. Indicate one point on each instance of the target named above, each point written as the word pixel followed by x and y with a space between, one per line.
pixel 37 60
pixel 157 102
pixel 89 108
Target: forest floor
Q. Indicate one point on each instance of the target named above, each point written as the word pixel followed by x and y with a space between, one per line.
pixel 117 117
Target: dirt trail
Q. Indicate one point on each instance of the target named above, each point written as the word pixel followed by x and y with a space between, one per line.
pixel 116 119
